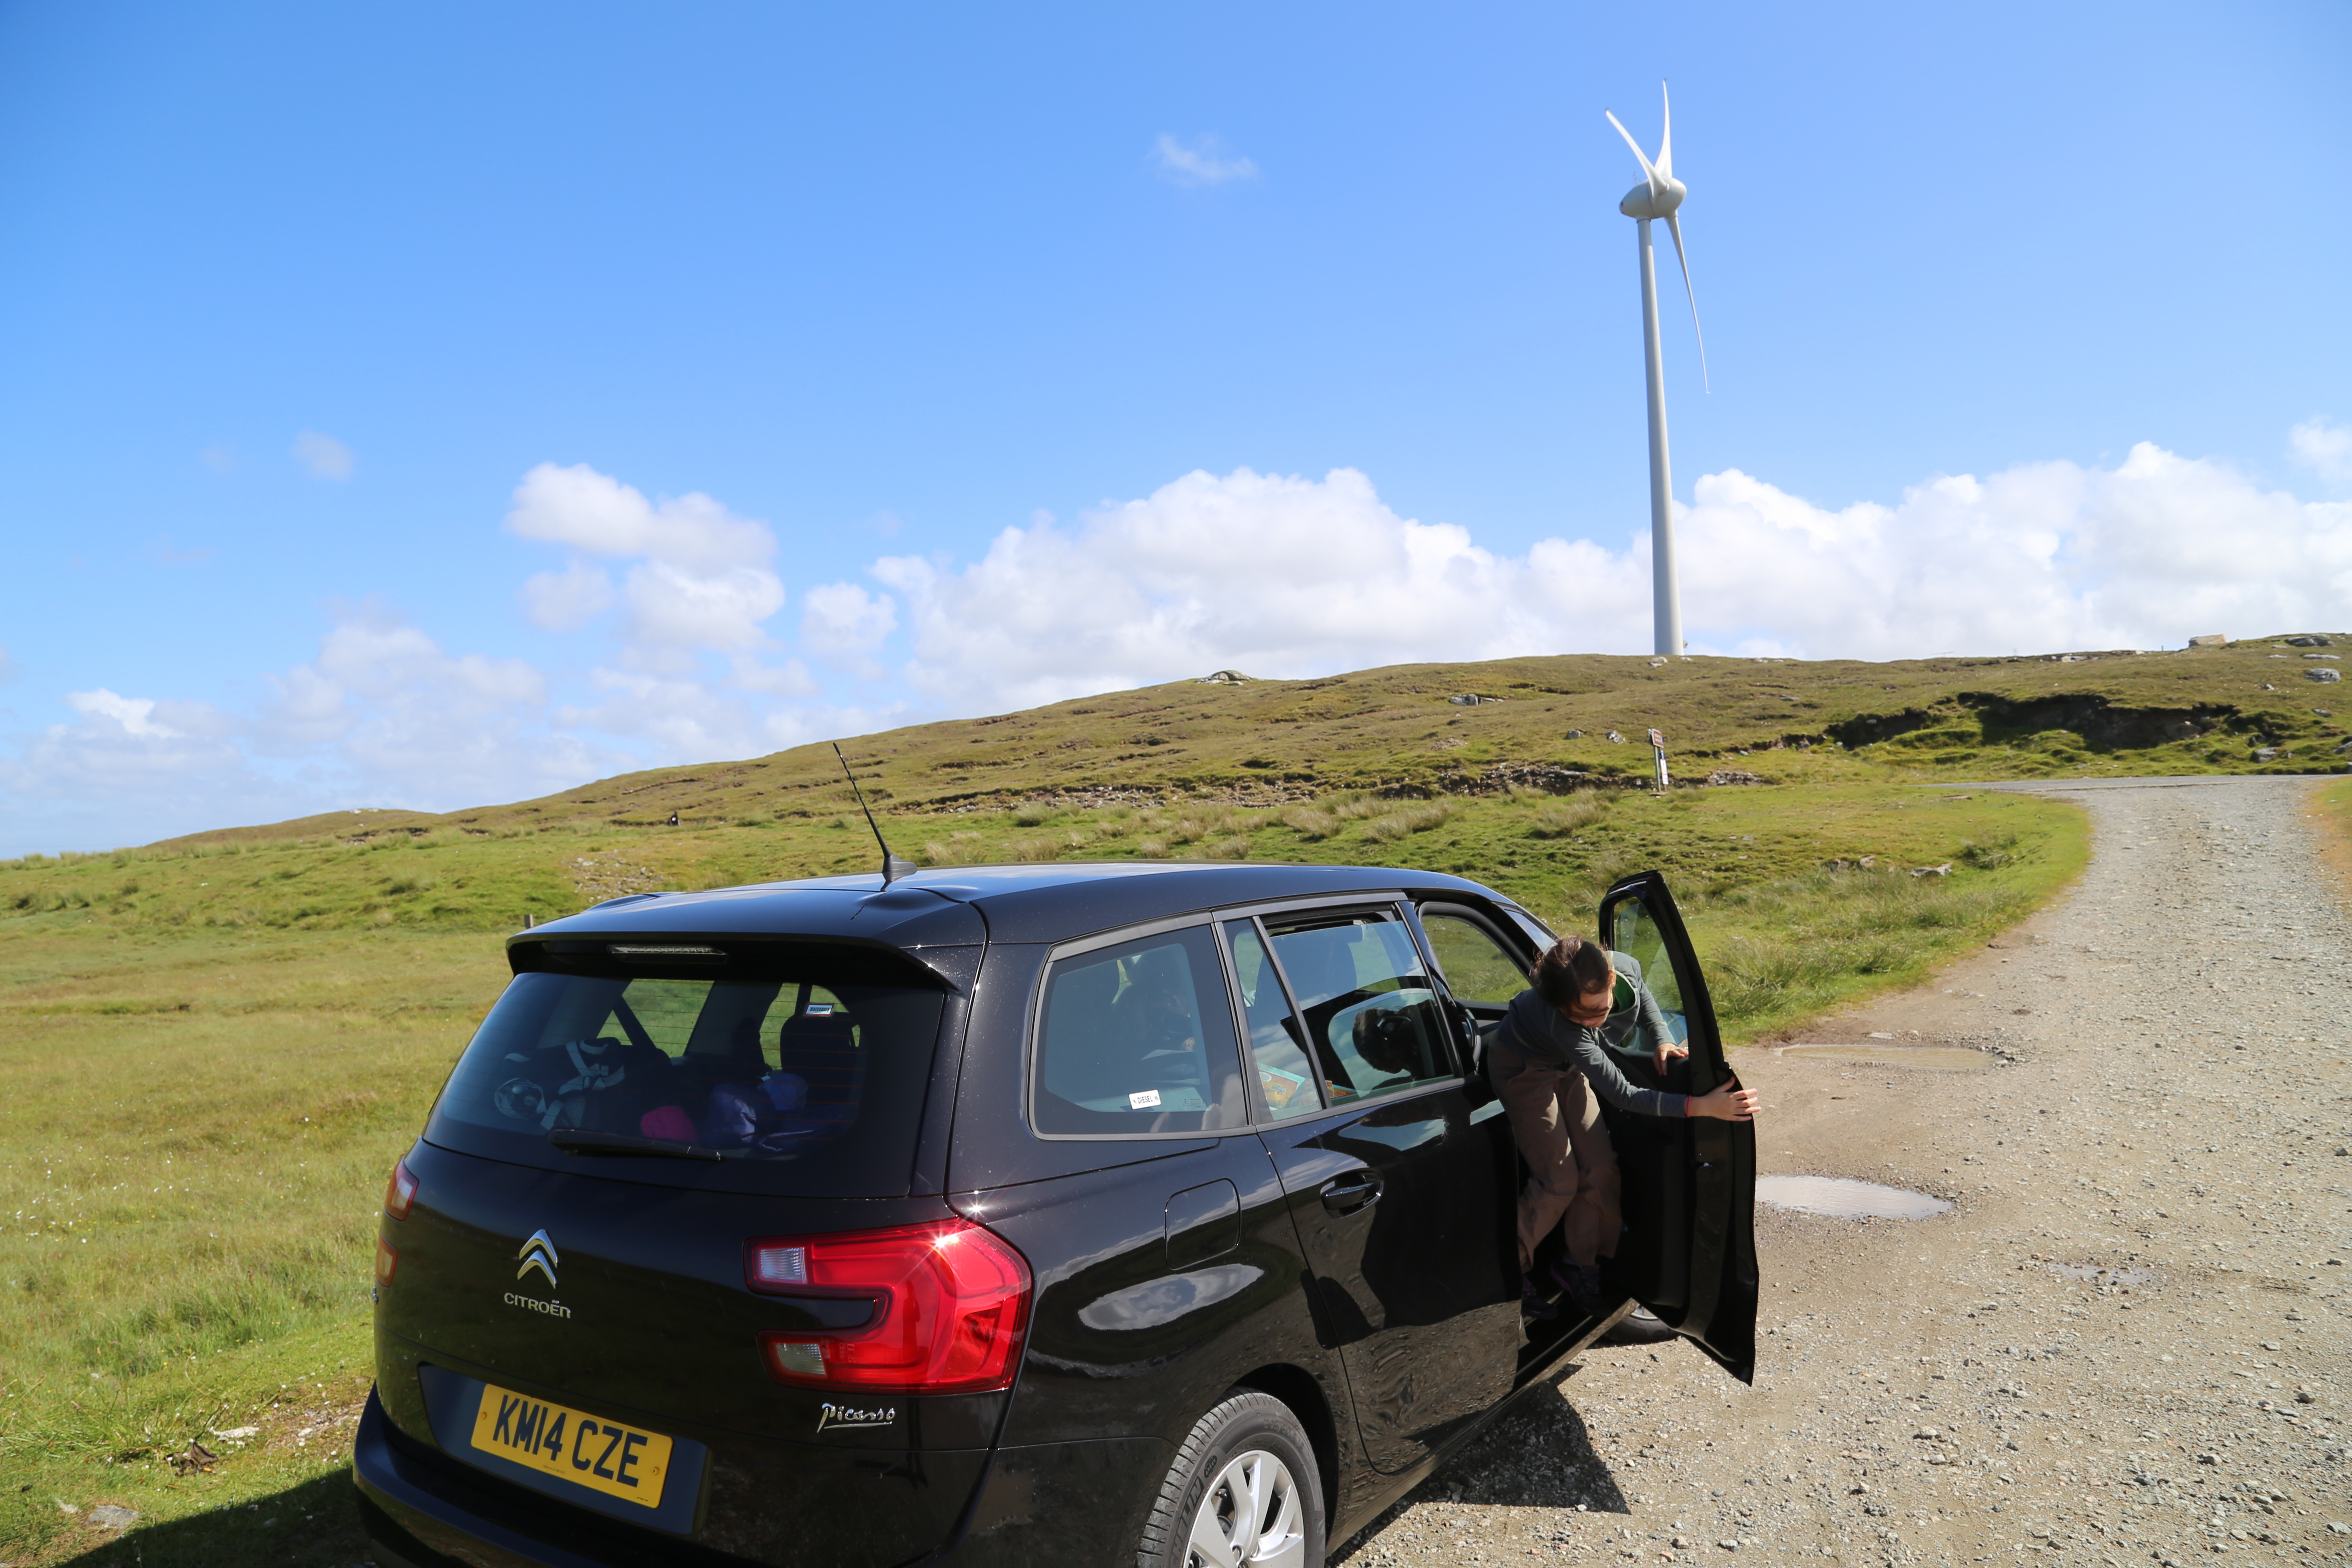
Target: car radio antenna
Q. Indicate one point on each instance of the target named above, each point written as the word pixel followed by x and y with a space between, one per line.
pixel 892 866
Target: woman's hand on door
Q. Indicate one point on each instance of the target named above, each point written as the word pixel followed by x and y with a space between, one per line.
pixel 1725 1103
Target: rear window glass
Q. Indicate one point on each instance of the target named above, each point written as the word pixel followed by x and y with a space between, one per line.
pixel 811 1086
pixel 1139 1038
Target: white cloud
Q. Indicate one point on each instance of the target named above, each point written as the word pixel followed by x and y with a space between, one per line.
pixel 844 624
pixel 132 715
pixel 591 512
pixel 1202 163
pixel 1289 576
pixel 702 581
pixel 323 455
pixel 1279 575
pixel 674 609
pixel 2043 556
pixel 791 679
pixel 416 721
pixel 2325 447
pixel 1275 575
pixel 128 768
pixel 567 600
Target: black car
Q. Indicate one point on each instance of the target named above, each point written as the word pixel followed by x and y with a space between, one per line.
pixel 1070 1214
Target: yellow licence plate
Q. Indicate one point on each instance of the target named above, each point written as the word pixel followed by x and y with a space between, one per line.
pixel 619 1460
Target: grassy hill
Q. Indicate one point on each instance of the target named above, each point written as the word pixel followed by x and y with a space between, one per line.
pixel 1406 731
pixel 1458 759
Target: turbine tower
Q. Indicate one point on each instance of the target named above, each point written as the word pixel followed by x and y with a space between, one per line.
pixel 1660 194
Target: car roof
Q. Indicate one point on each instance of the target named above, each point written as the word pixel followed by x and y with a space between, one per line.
pixel 1028 904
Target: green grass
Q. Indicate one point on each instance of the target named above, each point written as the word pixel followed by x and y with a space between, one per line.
pixel 194 1128
pixel 2332 809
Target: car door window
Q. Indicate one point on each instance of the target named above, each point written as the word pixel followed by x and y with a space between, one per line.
pixel 1634 933
pixel 1287 1083
pixel 1476 965
pixel 1138 1039
pixel 1369 1009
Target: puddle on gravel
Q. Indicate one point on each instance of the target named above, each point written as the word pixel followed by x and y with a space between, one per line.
pixel 1842 1199
pixel 1929 1058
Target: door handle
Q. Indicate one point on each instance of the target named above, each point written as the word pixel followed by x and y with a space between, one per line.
pixel 1350 1194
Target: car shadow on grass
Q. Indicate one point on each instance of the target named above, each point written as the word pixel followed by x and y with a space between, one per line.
pixel 315 1523
pixel 1538 1455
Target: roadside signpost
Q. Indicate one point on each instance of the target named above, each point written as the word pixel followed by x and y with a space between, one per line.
pixel 1658 747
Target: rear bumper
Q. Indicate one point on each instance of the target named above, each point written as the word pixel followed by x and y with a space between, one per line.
pixel 421 1513
pixel 1073 1504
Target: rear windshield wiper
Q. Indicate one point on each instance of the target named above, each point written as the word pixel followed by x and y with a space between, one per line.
pixel 574 1141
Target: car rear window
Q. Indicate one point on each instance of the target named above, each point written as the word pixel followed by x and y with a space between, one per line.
pixel 810 1084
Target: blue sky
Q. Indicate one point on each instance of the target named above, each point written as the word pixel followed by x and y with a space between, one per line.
pixel 2032 317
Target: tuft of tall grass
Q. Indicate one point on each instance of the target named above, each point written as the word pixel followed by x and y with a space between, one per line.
pixel 1035 846
pixel 1561 818
pixel 1989 857
pixel 1309 822
pixel 1391 825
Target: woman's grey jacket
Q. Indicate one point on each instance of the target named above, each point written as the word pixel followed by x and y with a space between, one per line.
pixel 1534 1028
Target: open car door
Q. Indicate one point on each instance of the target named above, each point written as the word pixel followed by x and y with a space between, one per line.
pixel 1689 1251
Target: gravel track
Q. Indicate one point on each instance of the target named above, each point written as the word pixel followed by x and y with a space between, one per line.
pixel 2127 1343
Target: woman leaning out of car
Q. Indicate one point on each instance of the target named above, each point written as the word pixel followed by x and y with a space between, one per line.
pixel 1547 1064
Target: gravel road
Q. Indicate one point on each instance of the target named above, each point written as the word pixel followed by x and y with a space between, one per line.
pixel 2127 1343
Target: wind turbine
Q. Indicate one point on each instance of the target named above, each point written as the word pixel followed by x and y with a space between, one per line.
pixel 1660 194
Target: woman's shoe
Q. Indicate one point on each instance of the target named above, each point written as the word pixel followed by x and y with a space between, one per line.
pixel 1533 1307
pixel 1580 1284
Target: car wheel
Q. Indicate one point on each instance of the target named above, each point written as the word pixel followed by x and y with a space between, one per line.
pixel 1244 1491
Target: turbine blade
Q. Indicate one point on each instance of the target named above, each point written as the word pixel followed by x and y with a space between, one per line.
pixel 1674 227
pixel 1666 142
pixel 1648 172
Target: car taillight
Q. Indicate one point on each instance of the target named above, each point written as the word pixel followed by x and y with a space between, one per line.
pixel 400 1192
pixel 387 1258
pixel 950 1302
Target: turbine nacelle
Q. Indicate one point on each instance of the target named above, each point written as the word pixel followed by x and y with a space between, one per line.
pixel 1660 195
pixel 1662 201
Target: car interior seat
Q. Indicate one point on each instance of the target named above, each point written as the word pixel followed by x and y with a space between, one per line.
pixel 1081 1060
pixel 733 1057
pixel 1157 1021
pixel 822 1050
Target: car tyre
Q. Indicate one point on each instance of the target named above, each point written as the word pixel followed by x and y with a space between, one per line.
pixel 1244 1491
